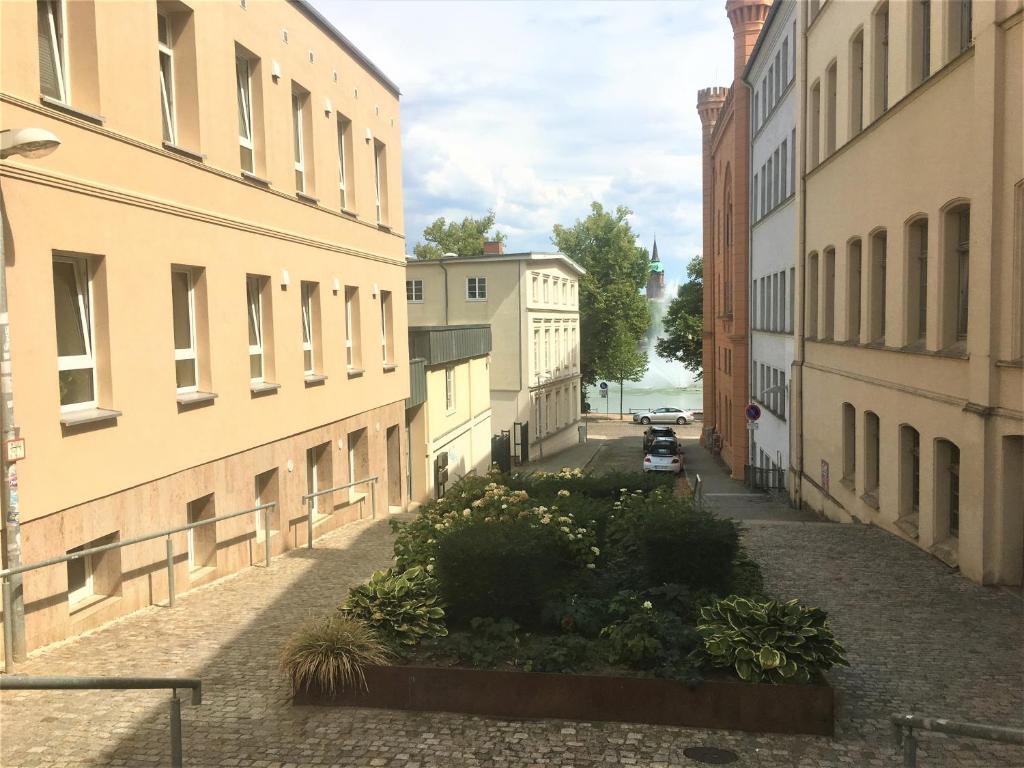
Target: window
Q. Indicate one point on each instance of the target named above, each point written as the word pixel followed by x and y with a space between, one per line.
pixel 558 346
pixel 771 187
pixel 574 347
pixel 387 340
pixel 917 285
pixel 764 190
pixel 910 471
pixel 310 327
pixel 812 296
pixel 202 539
pixel 782 394
pixel 476 288
pixel 449 389
pixel 358 460
pixel 254 294
pixel 830 113
pixel 963 254
pixel 753 306
pixel 353 357
pixel 857 83
pixel 344 159
pixel 771 88
pixel 849 443
pixel 184 315
pixel 318 478
pixel 380 175
pixel 876 289
pixel 547 283
pixel 815 128
pixel 778 76
pixel 792 159
pixel 267 492
pixel 947 488
pixel 853 277
pixel 959 36
pixel 94 575
pixel 871 451
pixel 792 294
pixel 881 60
pixel 534 288
pixel 80 583
pixel 785 62
pixel 776 191
pixel 246 141
pixel 755 206
pixel 547 350
pixel 757 104
pixel 166 54
pixel 536 350
pixel 54 80
pixel 414 291
pixel 829 298
pixel 298 142
pixel 76 359
pixel 783 165
pixel 921 33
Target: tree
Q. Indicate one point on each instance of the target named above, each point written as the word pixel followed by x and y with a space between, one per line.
pixel 609 294
pixel 684 321
pixel 623 361
pixel 463 239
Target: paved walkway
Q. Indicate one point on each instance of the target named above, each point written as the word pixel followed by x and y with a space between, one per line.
pixel 920 638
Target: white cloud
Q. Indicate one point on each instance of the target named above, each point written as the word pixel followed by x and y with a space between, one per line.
pixel 536 109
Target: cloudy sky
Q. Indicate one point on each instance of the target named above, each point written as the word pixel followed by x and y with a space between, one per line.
pixel 535 109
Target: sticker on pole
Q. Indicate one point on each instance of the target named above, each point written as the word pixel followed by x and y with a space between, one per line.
pixel 753 411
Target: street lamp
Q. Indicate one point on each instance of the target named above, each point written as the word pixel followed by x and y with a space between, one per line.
pixel 30 143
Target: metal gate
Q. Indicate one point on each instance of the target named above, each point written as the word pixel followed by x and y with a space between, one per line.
pixel 501 450
pixel 763 478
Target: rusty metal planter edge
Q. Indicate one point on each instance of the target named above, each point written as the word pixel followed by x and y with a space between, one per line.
pixel 726 705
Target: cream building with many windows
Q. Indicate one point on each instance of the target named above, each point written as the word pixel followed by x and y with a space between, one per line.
pixel 910 373
pixel 205 290
pixel 531 302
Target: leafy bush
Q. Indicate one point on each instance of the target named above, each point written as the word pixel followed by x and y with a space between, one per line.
pixel 747 580
pixel 328 653
pixel 488 644
pixel 561 653
pixel 501 568
pixel 403 607
pixel 644 637
pixel 607 485
pixel 580 614
pixel 770 641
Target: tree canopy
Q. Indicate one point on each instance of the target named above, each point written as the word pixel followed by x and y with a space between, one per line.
pixel 684 321
pixel 465 238
pixel 611 306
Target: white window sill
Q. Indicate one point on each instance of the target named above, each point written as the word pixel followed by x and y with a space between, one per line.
pixel 308 199
pixel 198 157
pixel 314 379
pixel 350 214
pixel 389 367
pixel 88 416
pixel 195 398
pixel 383 226
pixel 469 299
pixel 256 179
pixel 414 301
pixel 263 387
pixel 355 373
pixel 68 109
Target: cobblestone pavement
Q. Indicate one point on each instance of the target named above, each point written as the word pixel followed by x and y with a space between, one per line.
pixel 920 638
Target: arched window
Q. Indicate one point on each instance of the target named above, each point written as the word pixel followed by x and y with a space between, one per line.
pixel 910 474
pixel 849 444
pixel 857 83
pixel 811 297
pixel 947 489
pixel 880 63
pixel 871 454
pixel 955 275
pixel 917 280
pixel 828 298
pixel 876 288
pixel 853 278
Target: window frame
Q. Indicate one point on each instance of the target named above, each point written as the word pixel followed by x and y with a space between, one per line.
pixel 378 149
pixel 254 308
pixel 191 352
pixel 243 96
pixel 87 590
pixel 449 389
pixel 84 303
pixel 58 36
pixel 306 300
pixel 476 294
pixel 298 144
pixel 411 291
pixel 344 125
pixel 167 93
pixel 349 328
pixel 386 349
pixel 963 266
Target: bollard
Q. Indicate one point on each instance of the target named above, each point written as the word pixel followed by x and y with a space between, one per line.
pixel 8 628
pixel 373 499
pixel 170 573
pixel 176 760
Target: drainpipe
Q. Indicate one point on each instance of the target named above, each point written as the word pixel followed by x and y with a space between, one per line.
pixel 797 373
pixel 445 270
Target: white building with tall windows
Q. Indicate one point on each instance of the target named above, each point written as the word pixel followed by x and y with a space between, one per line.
pixel 771 75
pixel 531 302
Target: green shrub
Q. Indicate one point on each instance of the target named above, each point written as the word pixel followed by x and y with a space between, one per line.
pixel 561 653
pixel 646 638
pixel 328 653
pixel 489 643
pixel 687 547
pixel 501 568
pixel 608 485
pixel 768 642
pixel 403 607
pixel 747 580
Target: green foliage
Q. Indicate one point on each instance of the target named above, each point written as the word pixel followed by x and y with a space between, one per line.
pixel 329 653
pixel 501 568
pixel 583 614
pixel 489 643
pixel 561 653
pixel 684 322
pixel 610 301
pixel 607 485
pixel 770 641
pixel 465 238
pixel 403 607
pixel 647 638
pixel 692 548
pixel 623 360
pixel 747 580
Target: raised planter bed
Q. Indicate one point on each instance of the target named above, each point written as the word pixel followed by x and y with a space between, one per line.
pixel 531 695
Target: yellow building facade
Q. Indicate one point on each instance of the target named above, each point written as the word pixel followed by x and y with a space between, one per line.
pixel 909 372
pixel 205 289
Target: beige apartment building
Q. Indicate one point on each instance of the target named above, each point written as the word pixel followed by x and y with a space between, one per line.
pixel 448 412
pixel 531 302
pixel 204 283
pixel 909 369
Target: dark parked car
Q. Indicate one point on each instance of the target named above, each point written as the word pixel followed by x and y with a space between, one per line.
pixel 656 433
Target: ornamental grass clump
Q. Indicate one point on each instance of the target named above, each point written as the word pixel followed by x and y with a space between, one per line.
pixel 402 607
pixel 768 641
pixel 328 654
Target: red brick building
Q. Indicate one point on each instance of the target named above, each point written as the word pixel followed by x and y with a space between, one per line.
pixel 725 117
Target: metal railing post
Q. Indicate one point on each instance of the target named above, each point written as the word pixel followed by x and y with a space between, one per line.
pixel 910 749
pixel 170 573
pixel 309 524
pixel 266 532
pixel 8 627
pixel 373 499
pixel 176 760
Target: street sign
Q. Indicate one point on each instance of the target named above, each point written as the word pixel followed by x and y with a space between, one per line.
pixel 753 411
pixel 603 385
pixel 14 450
pixel 751 425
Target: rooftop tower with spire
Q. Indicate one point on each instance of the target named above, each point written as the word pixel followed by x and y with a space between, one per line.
pixel 656 278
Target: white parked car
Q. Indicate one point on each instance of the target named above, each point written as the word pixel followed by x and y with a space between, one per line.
pixel 663 416
pixel 663 456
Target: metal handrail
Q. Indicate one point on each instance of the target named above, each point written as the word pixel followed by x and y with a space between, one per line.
pixel 5 583
pixel 907 744
pixel 308 498
pixel 698 492
pixel 22 683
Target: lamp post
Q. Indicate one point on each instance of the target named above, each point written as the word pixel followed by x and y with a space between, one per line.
pixel 30 143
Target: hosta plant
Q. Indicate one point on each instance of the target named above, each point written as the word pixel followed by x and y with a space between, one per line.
pixel 403 607
pixel 768 641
